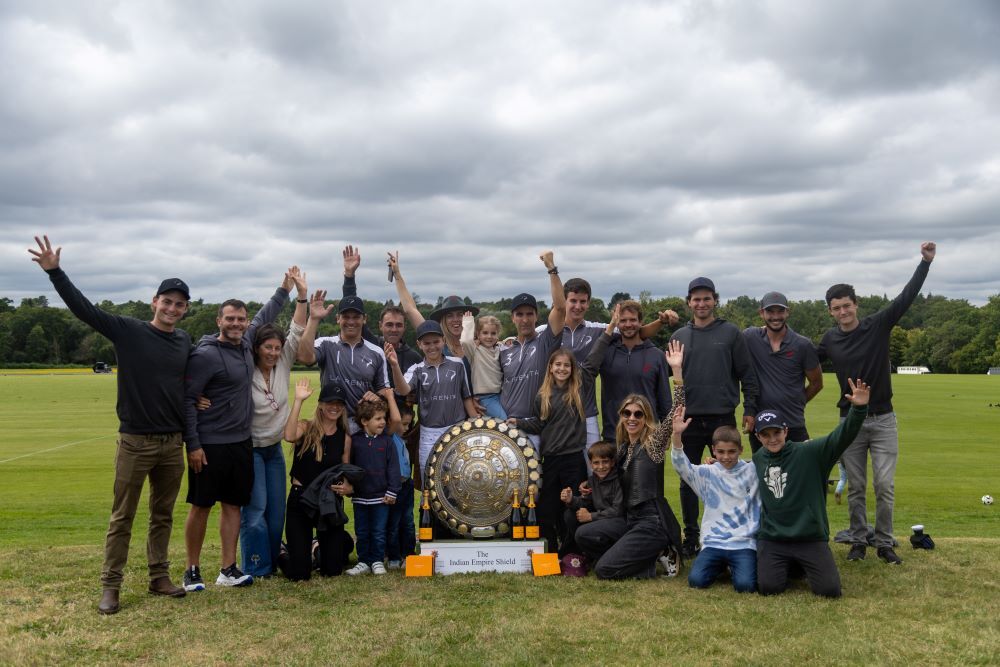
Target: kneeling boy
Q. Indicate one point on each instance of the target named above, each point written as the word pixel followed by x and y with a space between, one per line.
pixel 604 505
pixel 792 478
pixel 732 508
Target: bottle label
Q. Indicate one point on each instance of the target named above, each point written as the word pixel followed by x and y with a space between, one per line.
pixel 426 534
pixel 531 532
pixel 517 533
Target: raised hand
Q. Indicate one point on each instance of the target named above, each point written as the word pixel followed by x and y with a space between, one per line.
pixel 860 392
pixel 615 315
pixel 302 390
pixel 547 259
pixel 390 355
pixel 393 261
pixel 298 278
pixel 317 310
pixel 927 250
pixel 45 256
pixel 678 425
pixel 352 260
pixel 669 317
pixel 675 353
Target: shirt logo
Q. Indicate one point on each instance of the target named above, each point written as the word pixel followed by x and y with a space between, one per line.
pixel 369 361
pixel 450 375
pixel 776 481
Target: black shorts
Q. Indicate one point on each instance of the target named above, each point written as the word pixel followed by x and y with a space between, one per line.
pixel 228 477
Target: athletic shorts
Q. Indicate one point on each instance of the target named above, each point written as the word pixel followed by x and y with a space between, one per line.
pixel 228 477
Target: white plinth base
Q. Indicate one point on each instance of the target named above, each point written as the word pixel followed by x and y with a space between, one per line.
pixel 454 557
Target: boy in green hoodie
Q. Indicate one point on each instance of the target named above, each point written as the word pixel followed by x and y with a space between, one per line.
pixel 792 476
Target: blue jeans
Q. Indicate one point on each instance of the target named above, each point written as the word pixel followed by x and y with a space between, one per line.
pixel 261 521
pixel 401 535
pixel 369 525
pixel 711 561
pixel 492 404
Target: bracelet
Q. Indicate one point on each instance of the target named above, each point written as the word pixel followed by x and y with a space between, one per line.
pixel 302 301
pixel 554 271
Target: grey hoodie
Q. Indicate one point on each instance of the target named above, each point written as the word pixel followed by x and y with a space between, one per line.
pixel 223 373
pixel 716 363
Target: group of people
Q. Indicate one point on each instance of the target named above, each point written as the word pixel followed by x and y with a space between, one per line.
pixel 382 406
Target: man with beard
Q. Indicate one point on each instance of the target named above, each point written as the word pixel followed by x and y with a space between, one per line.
pixel 716 366
pixel 218 438
pixel 581 335
pixel 788 369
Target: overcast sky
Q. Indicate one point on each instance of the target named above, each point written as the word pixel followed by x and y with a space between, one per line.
pixel 768 145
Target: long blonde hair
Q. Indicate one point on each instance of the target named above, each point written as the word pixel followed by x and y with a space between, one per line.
pixel 649 425
pixel 572 395
pixel 312 437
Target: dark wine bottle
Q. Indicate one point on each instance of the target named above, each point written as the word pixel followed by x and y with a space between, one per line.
pixel 531 521
pixel 426 525
pixel 516 522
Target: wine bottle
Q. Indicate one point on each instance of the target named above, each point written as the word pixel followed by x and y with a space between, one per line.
pixel 531 521
pixel 426 525
pixel 516 524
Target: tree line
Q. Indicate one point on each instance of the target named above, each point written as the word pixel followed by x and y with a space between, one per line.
pixel 946 335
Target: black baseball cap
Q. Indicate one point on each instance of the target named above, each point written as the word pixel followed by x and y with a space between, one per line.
pixel 428 327
pixel 700 283
pixel 351 303
pixel 332 393
pixel 774 299
pixel 523 299
pixel 769 419
pixel 174 285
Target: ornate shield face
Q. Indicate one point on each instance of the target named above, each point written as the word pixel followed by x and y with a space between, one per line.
pixel 472 473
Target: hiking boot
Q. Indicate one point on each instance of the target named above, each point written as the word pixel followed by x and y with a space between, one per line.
pixel 360 568
pixel 233 576
pixel 378 567
pixel 109 602
pixel 857 552
pixel 163 586
pixel 690 547
pixel 192 579
pixel 889 556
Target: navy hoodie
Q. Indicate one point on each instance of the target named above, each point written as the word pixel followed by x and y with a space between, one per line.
pixel 716 363
pixel 223 373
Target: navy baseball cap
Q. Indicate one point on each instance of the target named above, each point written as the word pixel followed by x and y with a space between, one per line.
pixel 174 285
pixel 769 419
pixel 332 393
pixel 774 299
pixel 428 327
pixel 351 303
pixel 700 283
pixel 523 299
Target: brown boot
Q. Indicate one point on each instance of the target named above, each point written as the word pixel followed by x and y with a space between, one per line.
pixel 109 602
pixel 163 586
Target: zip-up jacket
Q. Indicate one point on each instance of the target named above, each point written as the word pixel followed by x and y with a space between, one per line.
pixel 223 373
pixel 606 500
pixel 716 364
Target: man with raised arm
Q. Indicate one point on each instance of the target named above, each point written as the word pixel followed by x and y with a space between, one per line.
pixel 151 358
pixel 716 366
pixel 860 348
pixel 218 438
pixel 788 371
pixel 523 364
pixel 347 359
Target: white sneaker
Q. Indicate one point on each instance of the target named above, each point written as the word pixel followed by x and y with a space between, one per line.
pixel 378 568
pixel 669 560
pixel 233 576
pixel 395 565
pixel 360 568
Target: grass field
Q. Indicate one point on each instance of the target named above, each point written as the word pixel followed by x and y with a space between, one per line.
pixel 940 607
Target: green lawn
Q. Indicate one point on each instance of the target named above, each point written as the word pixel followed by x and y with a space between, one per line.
pixel 940 607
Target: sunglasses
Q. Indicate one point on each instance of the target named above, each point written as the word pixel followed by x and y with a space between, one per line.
pixel 638 414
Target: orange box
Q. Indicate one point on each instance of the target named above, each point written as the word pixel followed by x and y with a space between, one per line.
pixel 544 565
pixel 419 566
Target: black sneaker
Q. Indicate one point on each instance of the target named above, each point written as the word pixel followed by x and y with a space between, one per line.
pixel 233 576
pixel 889 556
pixel 857 552
pixel 689 549
pixel 192 580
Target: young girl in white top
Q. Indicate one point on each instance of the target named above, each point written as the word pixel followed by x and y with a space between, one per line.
pixel 479 343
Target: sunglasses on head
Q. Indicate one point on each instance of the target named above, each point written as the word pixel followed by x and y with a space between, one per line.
pixel 638 414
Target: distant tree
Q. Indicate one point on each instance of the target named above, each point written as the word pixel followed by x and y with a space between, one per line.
pixel 617 297
pixel 6 305
pixel 37 347
pixel 36 302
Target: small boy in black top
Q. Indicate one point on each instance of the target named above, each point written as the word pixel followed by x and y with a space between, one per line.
pixel 603 503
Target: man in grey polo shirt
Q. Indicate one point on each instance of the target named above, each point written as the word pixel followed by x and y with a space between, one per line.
pixel 347 359
pixel 524 363
pixel 788 370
